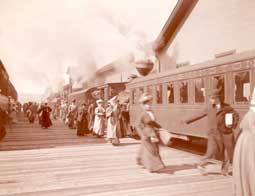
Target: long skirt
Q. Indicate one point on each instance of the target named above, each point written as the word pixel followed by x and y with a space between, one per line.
pixel 82 127
pixel 98 127
pixel 149 156
pixel 244 165
pixel 45 120
pixel 113 131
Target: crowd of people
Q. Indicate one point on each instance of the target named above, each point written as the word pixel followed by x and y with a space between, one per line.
pixel 33 110
pixel 98 119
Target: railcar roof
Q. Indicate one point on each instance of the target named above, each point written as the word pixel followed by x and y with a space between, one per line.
pixel 82 91
pixel 2 67
pixel 200 66
pixel 110 83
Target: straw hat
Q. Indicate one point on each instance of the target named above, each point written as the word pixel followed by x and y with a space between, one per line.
pixel 99 101
pixel 145 97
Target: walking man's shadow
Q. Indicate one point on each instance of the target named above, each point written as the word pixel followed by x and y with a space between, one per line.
pixel 171 169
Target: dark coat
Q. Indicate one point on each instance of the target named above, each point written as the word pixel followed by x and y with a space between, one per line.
pixel 82 122
pixel 216 118
pixel 45 116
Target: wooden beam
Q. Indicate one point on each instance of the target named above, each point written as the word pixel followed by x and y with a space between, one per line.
pixel 174 23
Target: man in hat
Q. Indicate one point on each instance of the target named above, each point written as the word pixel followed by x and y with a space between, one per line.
pixel 222 119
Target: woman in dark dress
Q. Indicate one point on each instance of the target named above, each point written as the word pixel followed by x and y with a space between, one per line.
pixel 148 155
pixel 44 112
pixel 82 121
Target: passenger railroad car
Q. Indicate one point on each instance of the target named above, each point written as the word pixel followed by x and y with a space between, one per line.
pixel 180 93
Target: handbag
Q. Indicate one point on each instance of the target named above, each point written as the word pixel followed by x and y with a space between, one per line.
pixel 164 136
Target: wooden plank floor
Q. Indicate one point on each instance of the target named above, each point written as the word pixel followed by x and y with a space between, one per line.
pixel 73 166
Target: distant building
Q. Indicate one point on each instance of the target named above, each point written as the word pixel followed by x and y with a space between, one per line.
pixel 114 72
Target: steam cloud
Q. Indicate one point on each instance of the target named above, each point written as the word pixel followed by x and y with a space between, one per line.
pixel 41 39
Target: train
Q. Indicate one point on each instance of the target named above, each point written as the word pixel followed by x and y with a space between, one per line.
pixel 7 90
pixel 181 93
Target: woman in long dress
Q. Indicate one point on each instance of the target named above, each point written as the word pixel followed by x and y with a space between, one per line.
pixel 244 155
pixel 148 155
pixel 44 112
pixel 82 121
pixel 112 115
pixel 98 128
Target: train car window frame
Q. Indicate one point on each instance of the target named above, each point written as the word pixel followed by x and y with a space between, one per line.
pixel 158 96
pixel 187 93
pixel 204 91
pixel 168 84
pixel 249 87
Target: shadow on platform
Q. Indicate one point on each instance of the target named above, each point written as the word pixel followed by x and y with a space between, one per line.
pixel 171 169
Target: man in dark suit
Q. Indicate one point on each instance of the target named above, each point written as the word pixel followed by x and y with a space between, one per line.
pixel 222 119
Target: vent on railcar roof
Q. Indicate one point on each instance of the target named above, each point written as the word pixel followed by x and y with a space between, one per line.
pixel 179 65
pixel 226 53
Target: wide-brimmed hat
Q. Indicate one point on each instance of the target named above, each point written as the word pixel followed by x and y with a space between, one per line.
pixel 99 101
pixel 145 97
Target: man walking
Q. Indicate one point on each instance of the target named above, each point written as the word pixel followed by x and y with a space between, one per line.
pixel 222 119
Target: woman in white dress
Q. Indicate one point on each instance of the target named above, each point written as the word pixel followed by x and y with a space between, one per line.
pixel 112 115
pixel 98 128
pixel 244 155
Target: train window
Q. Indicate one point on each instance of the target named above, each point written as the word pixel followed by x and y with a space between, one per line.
pixel 219 83
pixel 159 97
pixel 199 90
pixel 183 91
pixel 242 86
pixel 170 93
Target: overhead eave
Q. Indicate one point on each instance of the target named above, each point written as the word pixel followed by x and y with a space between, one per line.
pixel 174 23
pixel 3 68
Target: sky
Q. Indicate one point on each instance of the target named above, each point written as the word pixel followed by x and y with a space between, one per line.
pixel 40 39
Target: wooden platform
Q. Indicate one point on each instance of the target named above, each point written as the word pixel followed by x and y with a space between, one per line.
pixel 73 166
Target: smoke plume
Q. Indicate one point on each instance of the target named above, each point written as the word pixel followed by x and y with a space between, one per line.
pixel 43 39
